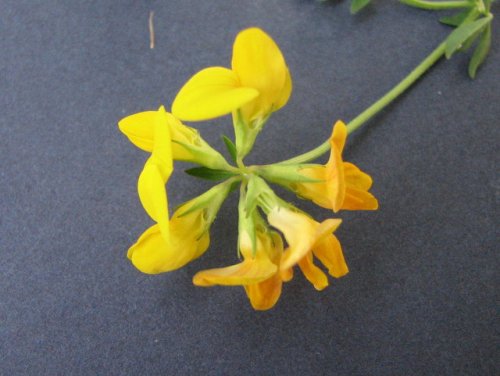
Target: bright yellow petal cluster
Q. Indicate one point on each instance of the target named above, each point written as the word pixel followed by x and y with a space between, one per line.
pixel 343 186
pixel 258 83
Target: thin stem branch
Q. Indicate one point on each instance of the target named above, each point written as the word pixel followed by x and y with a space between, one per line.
pixel 437 5
pixel 376 107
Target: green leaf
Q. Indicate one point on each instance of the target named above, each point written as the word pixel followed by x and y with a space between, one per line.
pixel 480 52
pixel 208 173
pixel 231 148
pixel 461 34
pixel 458 18
pixel 357 5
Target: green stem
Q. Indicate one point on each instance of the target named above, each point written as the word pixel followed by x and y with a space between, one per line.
pixel 375 107
pixel 437 5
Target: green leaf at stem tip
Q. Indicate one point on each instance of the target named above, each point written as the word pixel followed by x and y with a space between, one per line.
pixel 357 5
pixel 461 34
pixel 231 148
pixel 208 173
pixel 480 52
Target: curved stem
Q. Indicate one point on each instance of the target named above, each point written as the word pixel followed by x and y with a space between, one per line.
pixel 376 107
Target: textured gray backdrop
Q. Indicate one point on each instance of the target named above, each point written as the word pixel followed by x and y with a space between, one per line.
pixel 421 297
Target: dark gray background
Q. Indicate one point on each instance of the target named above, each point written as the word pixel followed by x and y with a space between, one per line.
pixel 421 297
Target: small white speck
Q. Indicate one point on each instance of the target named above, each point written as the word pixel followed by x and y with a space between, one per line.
pixel 440 93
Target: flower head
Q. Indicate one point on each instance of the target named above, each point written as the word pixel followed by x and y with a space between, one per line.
pixel 343 185
pixel 258 83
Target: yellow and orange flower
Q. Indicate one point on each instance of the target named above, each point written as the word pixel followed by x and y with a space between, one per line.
pixel 307 238
pixel 343 185
pixel 258 273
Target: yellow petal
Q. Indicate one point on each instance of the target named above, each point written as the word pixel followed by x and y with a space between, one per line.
pixel 210 93
pixel 151 254
pixel 182 134
pixel 285 93
pixel 329 252
pixel 189 228
pixel 259 64
pixel 299 231
pixel 153 195
pixel 162 148
pixel 313 274
pixel 139 128
pixel 264 295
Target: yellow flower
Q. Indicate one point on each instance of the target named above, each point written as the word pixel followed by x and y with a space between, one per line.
pixel 187 144
pixel 345 185
pixel 258 273
pixel 187 239
pixel 258 83
pixel 307 238
pixel 162 249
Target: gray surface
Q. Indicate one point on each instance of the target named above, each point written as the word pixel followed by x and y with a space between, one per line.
pixel 421 297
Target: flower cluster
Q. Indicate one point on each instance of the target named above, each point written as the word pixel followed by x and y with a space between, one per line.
pixel 274 236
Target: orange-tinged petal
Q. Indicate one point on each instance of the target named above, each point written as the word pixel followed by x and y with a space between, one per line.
pixel 355 178
pixel 334 177
pixel 139 128
pixel 286 274
pixel 359 200
pixel 249 271
pixel 253 269
pixel 313 274
pixel 301 233
pixel 317 192
pixel 329 252
pixel 259 64
pixel 210 93
pixel 264 295
pixel 339 136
